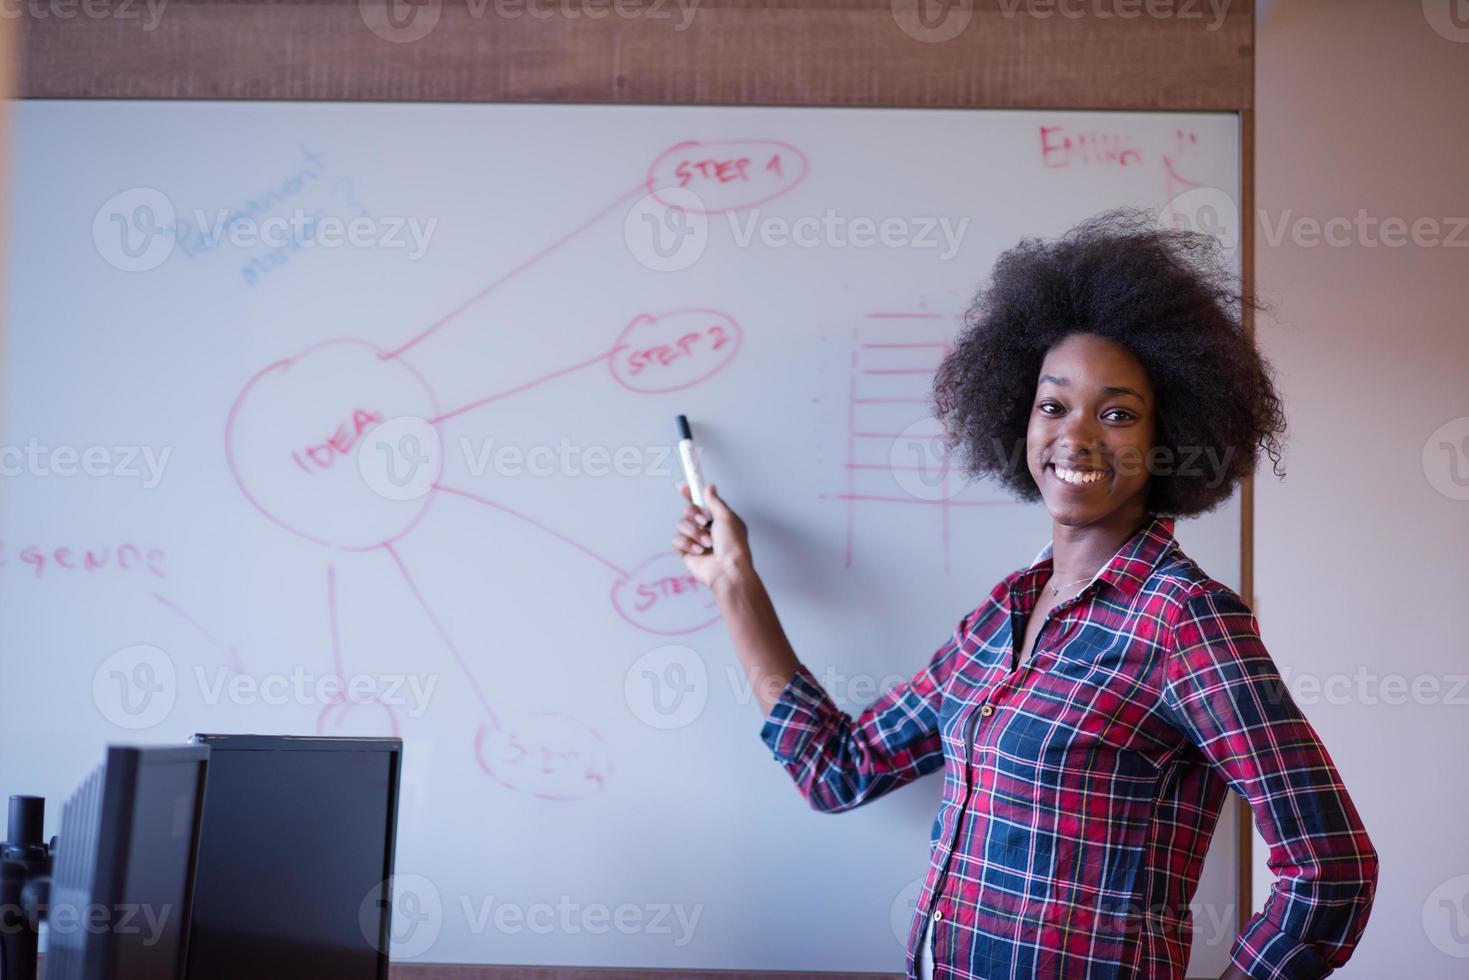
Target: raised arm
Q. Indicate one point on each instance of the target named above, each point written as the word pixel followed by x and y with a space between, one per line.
pixel 1225 693
pixel 836 762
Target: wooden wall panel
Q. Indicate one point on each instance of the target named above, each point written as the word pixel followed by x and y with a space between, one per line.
pixel 1011 53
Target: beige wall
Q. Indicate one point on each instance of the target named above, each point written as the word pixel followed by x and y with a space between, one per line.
pixel 1362 555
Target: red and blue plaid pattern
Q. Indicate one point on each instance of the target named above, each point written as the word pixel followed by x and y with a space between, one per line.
pixel 1081 789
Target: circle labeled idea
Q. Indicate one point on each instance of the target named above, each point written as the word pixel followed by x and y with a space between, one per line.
pixel 302 443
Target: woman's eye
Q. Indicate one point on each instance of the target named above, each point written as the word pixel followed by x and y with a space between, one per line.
pixel 1123 412
pixel 1045 405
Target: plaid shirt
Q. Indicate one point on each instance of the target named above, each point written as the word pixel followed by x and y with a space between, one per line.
pixel 1081 790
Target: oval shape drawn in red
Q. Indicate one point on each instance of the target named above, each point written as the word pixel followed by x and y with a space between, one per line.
pixel 675 350
pixel 661 596
pixel 727 175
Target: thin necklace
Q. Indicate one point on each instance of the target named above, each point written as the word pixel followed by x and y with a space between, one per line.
pixel 1056 589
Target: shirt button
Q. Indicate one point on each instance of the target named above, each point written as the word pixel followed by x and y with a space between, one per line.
pixel 938 915
pixel 987 710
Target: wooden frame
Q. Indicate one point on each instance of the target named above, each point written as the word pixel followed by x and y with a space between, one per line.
pixel 1160 55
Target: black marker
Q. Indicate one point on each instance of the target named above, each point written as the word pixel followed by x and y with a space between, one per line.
pixel 690 460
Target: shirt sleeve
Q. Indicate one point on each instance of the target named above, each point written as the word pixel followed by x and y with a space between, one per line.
pixel 1226 696
pixel 837 762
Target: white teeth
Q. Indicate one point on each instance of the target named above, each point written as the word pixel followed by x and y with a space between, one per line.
pixel 1077 477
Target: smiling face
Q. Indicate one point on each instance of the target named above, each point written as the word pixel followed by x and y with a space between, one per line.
pixel 1091 426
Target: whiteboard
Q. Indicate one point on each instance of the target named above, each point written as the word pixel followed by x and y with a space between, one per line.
pixel 254 452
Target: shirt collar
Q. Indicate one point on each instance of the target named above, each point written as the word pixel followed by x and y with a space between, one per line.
pixel 1127 569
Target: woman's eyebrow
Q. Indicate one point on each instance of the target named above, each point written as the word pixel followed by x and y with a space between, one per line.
pixel 1106 389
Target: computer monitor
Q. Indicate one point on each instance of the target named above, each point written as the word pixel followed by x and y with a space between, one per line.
pixel 123 867
pixel 295 858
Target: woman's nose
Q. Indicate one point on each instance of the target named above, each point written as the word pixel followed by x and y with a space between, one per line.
pixel 1079 433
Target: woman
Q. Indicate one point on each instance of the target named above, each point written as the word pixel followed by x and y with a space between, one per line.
pixel 1090 714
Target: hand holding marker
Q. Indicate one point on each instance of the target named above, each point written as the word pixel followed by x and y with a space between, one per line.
pixel 690 463
pixel 711 537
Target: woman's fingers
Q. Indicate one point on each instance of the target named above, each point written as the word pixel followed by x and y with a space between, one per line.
pixel 693 533
pixel 686 545
pixel 695 513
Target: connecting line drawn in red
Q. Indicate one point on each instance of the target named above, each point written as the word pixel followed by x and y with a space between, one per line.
pixel 334 715
pixel 228 651
pixel 551 755
pixel 733 174
pixel 295 435
pixel 479 694
pixel 519 388
pixel 532 521
pixel 432 328
pixel 891 365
